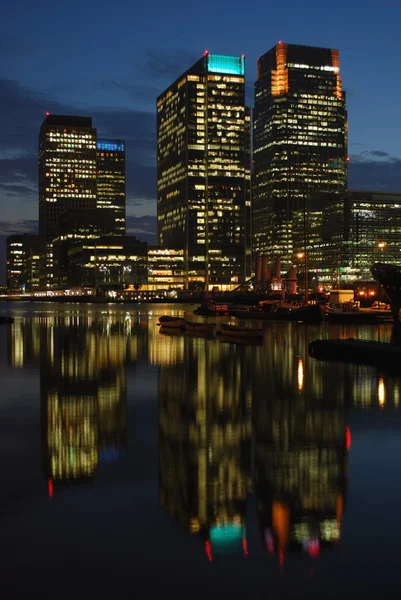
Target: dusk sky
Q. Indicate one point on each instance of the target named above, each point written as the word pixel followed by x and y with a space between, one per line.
pixel 111 60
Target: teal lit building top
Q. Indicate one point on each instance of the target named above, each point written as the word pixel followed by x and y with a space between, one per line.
pixel 226 65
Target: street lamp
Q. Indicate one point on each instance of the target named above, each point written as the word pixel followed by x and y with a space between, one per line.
pixel 304 255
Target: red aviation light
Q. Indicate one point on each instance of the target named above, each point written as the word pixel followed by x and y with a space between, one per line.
pixel 208 549
pixel 347 159
pixel 206 52
pixel 50 488
pixel 47 114
pixel 347 438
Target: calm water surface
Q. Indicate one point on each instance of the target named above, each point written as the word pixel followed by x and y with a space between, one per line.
pixel 135 464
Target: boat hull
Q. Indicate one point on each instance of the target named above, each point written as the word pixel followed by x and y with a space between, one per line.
pixel 240 332
pixel 172 323
pixel 356 351
pixel 389 277
pixel 307 314
pixel 199 327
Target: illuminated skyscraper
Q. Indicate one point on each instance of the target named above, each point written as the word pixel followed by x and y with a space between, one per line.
pixel 203 137
pixel 300 139
pixel 111 180
pixel 23 262
pixel 67 175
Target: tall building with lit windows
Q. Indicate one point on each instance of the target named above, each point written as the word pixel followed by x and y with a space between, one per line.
pixel 203 170
pixel 299 140
pixel 111 180
pixel 67 176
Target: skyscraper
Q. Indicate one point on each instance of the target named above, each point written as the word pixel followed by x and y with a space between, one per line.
pixel 111 180
pixel 300 139
pixel 67 175
pixel 203 181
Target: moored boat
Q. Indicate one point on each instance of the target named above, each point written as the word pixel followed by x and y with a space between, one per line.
pixel 312 313
pixel 172 322
pixel 240 332
pixel 199 327
pixel 171 331
pixel 356 351
pixel 349 312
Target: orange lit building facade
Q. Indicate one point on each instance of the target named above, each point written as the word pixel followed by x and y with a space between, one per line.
pixel 300 140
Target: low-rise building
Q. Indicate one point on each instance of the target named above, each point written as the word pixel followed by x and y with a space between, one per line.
pixel 23 263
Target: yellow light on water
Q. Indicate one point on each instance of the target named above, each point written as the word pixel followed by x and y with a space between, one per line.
pixel 300 374
pixel 381 392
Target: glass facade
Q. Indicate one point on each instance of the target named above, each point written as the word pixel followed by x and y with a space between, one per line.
pixel 107 263
pixel 203 171
pixel 300 140
pixel 111 180
pixel 345 234
pixel 67 176
pixel 23 262
pixel 165 268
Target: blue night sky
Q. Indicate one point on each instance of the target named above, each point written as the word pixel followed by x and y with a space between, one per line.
pixel 111 60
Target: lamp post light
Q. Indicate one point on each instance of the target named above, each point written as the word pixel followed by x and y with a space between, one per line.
pixel 304 255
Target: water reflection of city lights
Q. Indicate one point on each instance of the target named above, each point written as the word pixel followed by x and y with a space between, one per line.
pixel 381 392
pixel 300 374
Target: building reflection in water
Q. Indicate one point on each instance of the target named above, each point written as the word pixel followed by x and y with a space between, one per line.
pixel 205 444
pixel 83 389
pixel 233 420
pixel 300 436
pixel 83 392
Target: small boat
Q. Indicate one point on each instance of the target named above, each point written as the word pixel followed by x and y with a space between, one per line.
pixel 350 312
pixel 281 312
pixel 170 331
pixel 6 320
pixel 365 352
pixel 199 327
pixel 172 322
pixel 240 332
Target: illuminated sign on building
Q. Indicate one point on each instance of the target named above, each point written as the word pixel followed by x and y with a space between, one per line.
pixel 229 65
pixel 111 147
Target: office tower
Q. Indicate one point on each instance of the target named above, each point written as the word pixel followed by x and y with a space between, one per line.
pixel 300 140
pixel 23 262
pixel 67 175
pixel 111 180
pixel 203 181
pixel 347 233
